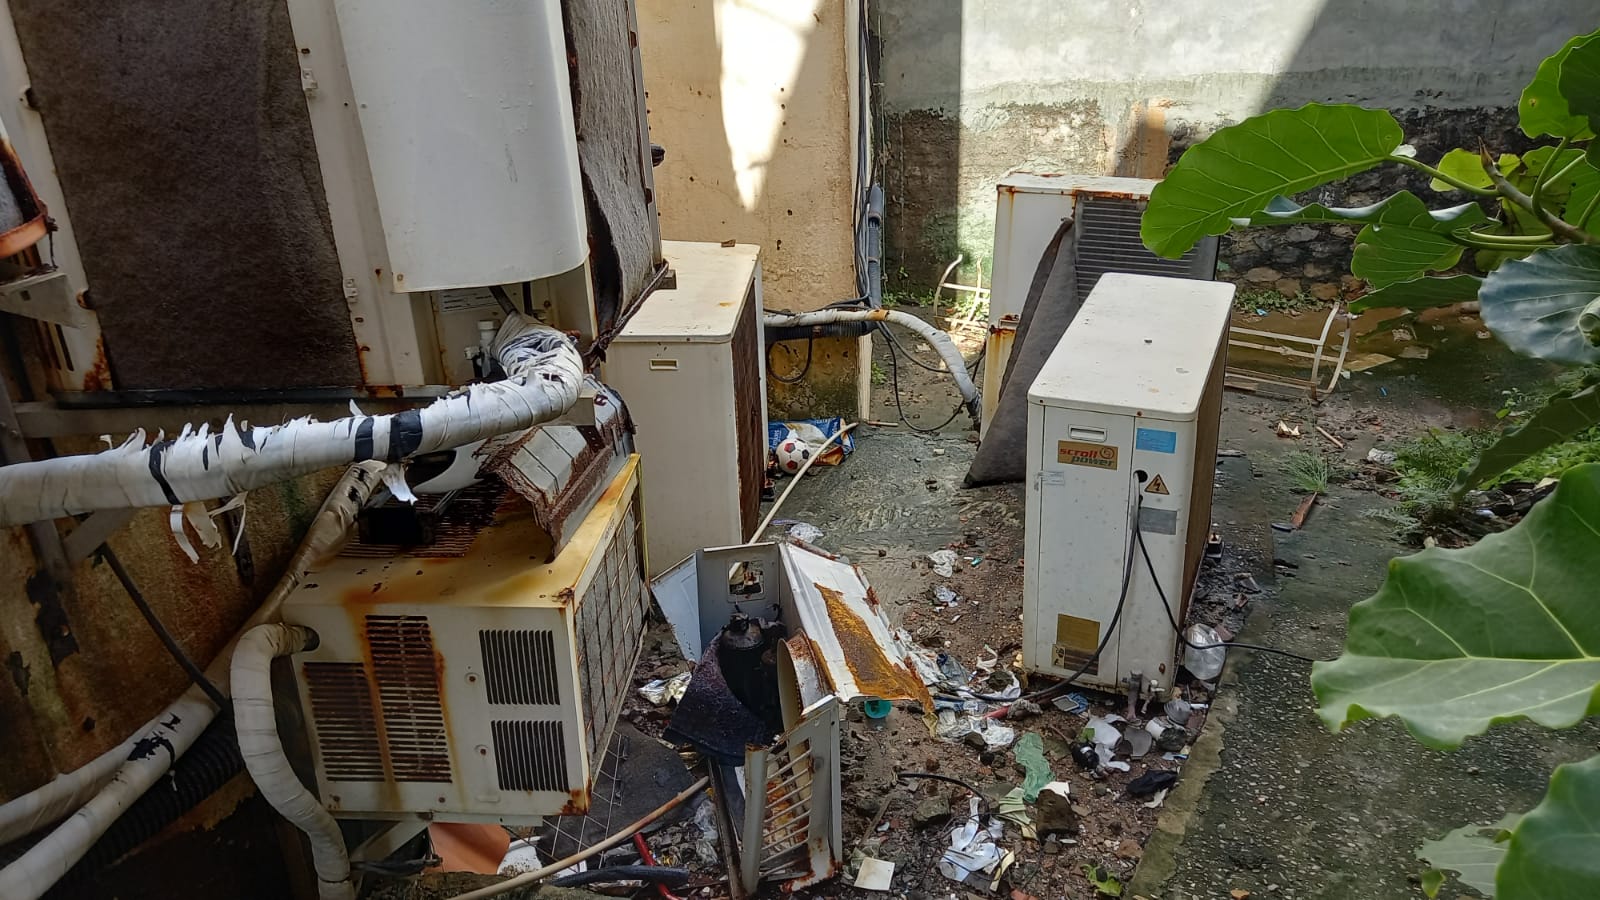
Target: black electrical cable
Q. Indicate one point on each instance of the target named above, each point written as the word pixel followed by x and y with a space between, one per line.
pixel 196 674
pixel 1172 618
pixel 894 380
pixel 795 379
pixel 983 802
pixel 666 875
pixel 894 344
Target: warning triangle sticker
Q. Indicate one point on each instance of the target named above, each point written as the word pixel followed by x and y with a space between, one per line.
pixel 1157 486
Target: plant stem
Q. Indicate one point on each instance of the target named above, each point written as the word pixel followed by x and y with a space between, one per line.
pixel 1509 191
pixel 1588 211
pixel 1451 180
pixel 1544 178
pixel 1485 241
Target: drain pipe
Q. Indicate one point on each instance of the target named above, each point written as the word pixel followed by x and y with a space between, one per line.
pixel 103 789
pixel 543 374
pixel 262 750
pixel 938 340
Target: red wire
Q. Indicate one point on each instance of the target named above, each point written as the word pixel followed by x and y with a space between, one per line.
pixel 650 860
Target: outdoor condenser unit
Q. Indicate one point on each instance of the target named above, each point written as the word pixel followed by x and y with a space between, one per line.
pixel 1122 427
pixel 1105 213
pixel 471 680
pixel 691 367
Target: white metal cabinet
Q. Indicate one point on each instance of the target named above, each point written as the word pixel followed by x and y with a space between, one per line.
pixel 689 366
pixel 1133 389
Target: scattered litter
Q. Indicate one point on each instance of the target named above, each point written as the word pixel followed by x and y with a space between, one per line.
pixel 952 671
pixel 814 433
pixel 1023 709
pixel 1003 683
pixel 666 690
pixel 705 819
pixel 973 858
pixel 1239 894
pixel 1103 730
pixel 1230 454
pixel 974 560
pixel 1014 810
pixel 988 661
pixel 1085 756
pixel 1029 754
pixel 1402 335
pixel 1415 351
pixel 1331 439
pixel 1151 782
pixel 1167 735
pixel 1179 710
pixel 986 734
pixel 1364 361
pixel 1247 582
pixel 1285 430
pixel 1158 799
pixel 521 856
pixel 944 562
pixel 1074 703
pixel 1381 457
pixel 938 451
pixel 1282 526
pixel 804 531
pixel 943 594
pixel 875 874
pixel 1204 664
pixel 1103 881
pixel 1484 335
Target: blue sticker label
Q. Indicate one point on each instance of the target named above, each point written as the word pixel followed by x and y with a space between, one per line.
pixel 1156 440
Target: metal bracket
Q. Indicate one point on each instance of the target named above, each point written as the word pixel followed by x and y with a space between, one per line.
pixel 45 296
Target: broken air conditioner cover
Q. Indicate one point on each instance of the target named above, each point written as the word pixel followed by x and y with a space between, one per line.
pixel 478 684
pixel 1122 417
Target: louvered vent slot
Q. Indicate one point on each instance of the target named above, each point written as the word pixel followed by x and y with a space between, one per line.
pixel 519 666
pixel 752 427
pixel 611 622
pixel 347 730
pixel 530 756
pixel 404 665
pixel 1108 241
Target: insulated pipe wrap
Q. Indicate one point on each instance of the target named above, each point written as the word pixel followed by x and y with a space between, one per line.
pixel 263 754
pixel 543 374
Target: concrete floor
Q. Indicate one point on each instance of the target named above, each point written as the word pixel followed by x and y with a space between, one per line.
pixel 1271 802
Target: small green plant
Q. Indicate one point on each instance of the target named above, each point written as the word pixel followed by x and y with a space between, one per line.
pixel 1308 472
pixel 907 298
pixel 879 376
pixel 1249 301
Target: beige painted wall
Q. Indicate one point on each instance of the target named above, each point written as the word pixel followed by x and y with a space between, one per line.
pixel 753 101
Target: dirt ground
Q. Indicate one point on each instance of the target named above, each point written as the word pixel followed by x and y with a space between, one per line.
pixel 1266 801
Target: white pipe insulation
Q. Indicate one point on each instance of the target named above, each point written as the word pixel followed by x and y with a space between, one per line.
pixel 101 790
pixel 262 750
pixel 938 340
pixel 543 374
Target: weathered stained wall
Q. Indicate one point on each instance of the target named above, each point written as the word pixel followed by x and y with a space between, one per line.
pixel 752 100
pixel 973 89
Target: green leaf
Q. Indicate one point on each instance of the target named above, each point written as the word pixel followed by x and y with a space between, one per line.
pixel 1585 186
pixel 1420 293
pixel 1534 304
pixel 1238 169
pixel 1554 852
pixel 1562 418
pixel 1579 79
pixel 1432 880
pixel 1464 165
pixel 1472 852
pixel 1103 881
pixel 1457 640
pixel 1543 108
pixel 1403 238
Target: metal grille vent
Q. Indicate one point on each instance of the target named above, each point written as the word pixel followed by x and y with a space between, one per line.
pixel 347 728
pixel 405 667
pixel 453 522
pixel 1108 241
pixel 530 756
pixel 611 620
pixel 519 666
pixel 752 429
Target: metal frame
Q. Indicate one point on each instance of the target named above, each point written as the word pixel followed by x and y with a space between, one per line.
pixel 792 826
pixel 1317 353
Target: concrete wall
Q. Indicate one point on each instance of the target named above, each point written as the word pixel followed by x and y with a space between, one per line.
pixel 973 89
pixel 752 100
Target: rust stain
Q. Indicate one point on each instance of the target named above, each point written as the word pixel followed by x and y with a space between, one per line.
pixel 98 378
pixel 874 673
pixel 37 223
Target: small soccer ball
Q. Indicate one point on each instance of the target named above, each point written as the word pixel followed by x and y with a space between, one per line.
pixel 793 453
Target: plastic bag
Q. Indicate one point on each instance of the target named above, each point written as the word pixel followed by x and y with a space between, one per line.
pixel 1204 664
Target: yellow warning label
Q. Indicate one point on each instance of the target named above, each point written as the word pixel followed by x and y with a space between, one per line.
pixel 1157 486
pixel 1083 453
